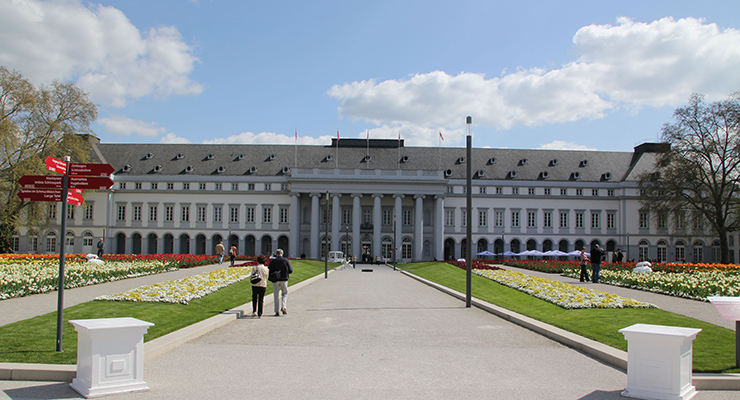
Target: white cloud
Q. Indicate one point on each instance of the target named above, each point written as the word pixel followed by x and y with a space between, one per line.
pixel 98 47
pixel 172 138
pixel 270 138
pixel 124 126
pixel 630 65
pixel 563 145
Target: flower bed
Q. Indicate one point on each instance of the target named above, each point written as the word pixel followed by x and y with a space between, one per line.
pixel 693 285
pixel 40 275
pixel 553 267
pixel 477 264
pixel 561 294
pixel 183 291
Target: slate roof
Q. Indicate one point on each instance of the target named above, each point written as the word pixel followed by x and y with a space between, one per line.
pixel 271 160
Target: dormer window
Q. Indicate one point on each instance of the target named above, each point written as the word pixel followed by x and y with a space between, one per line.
pixel 179 156
pixel 584 163
pixel 210 156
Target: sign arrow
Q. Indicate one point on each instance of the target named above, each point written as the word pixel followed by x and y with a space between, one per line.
pixel 54 165
pixel 91 169
pixel 49 195
pixel 75 182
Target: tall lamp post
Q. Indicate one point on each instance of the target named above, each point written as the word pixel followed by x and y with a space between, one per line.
pixel 469 240
pixel 346 241
pixel 326 237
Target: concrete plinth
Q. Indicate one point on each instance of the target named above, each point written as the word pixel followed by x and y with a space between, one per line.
pixel 659 362
pixel 110 356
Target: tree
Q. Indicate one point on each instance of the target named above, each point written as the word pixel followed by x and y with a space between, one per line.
pixel 699 176
pixel 36 123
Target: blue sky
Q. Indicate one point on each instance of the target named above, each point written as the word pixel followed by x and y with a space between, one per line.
pixel 532 74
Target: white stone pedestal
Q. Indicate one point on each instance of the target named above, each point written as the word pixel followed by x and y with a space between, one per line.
pixel 110 356
pixel 659 362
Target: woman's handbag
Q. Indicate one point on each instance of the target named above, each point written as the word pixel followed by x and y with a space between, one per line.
pixel 255 278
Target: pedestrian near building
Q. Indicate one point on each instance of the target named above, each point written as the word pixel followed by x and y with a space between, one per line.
pixel 101 247
pixel 220 251
pixel 584 265
pixel 232 254
pixel 259 288
pixel 596 254
pixel 280 270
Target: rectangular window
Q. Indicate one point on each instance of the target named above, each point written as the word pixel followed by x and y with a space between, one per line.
pixel 406 215
pixel 201 213
pixel 121 212
pixel 284 215
pixel 52 211
pixel 644 221
pixel 563 191
pixel 515 190
pixel 483 218
pixel 346 216
pixel 563 219
pixel 579 192
pixel 250 186
pixel 610 192
pixel 186 186
pixel 579 220
pixel 70 211
pixel 185 213
pixel 284 187
pixel 499 190
pixel 548 191
pixel 611 219
pixel 268 187
pixel 661 221
pixel 499 219
pixel 449 217
pixel 531 191
pixel 152 213
pixel 201 186
pixel 594 192
pixel 531 219
pixel 367 216
pixel 464 217
pixel 234 214
pixel 250 215
pixel 266 215
pixel 387 216
pixel 515 219
pixel 234 186
pixel 218 186
pixel 122 185
pixel 170 186
pixel 450 189
pixel 595 222
pixel 482 190
pixel 680 224
pixel 137 213
pixel 87 211
pixel 137 185
pixel 169 213
pixel 217 214
pixel 153 185
pixel 547 219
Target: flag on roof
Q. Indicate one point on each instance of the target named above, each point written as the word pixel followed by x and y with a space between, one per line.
pixel 440 135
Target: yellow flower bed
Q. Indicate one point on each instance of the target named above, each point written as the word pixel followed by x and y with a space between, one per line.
pixel 184 290
pixel 562 294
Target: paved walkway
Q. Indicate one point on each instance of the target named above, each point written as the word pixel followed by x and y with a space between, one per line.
pixel 367 335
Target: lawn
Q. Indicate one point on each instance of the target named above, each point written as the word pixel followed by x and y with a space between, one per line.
pixel 714 347
pixel 34 340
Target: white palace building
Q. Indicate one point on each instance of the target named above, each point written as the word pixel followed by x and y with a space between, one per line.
pixel 366 197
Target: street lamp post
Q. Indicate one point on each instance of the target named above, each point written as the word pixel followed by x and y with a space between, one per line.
pixel 346 241
pixel 469 241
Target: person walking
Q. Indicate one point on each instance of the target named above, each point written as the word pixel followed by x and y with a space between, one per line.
pixel 259 288
pixel 232 254
pixel 354 262
pixel 220 251
pixel 596 253
pixel 280 270
pixel 101 247
pixel 584 263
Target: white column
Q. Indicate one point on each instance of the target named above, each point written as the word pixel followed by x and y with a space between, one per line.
pixel 295 220
pixel 356 221
pixel 419 227
pixel 315 197
pixel 335 219
pixel 399 225
pixel 439 224
pixel 376 224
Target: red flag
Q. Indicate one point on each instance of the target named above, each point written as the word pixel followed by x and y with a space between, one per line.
pixel 368 135
pixel 440 136
pixel 399 135
pixel 296 133
pixel 337 134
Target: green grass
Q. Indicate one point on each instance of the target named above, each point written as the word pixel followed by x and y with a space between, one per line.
pixel 34 340
pixel 714 346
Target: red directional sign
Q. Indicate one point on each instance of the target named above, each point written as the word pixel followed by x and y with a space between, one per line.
pixel 91 170
pixel 49 195
pixel 55 165
pixel 75 182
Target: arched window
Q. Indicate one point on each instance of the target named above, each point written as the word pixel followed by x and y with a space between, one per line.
pixel 642 250
pixel 406 248
pixel 69 243
pixel 482 246
pixel 716 254
pixel 698 252
pixel 51 242
pixel 662 251
pixel 680 251
pixel 386 244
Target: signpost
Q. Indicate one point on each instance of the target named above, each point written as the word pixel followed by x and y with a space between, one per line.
pixel 75 177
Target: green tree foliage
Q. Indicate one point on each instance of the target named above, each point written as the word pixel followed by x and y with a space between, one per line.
pixel 36 122
pixel 699 177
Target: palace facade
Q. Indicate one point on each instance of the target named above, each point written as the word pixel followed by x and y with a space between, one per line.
pixel 367 197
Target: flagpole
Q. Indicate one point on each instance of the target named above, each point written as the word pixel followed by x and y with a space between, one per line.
pixel 295 149
pixel 367 133
pixel 439 152
pixel 398 158
pixel 336 158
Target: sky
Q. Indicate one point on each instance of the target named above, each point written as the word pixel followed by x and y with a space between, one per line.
pixel 533 74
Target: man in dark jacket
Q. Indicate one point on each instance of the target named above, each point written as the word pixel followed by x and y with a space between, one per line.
pixel 596 253
pixel 280 270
